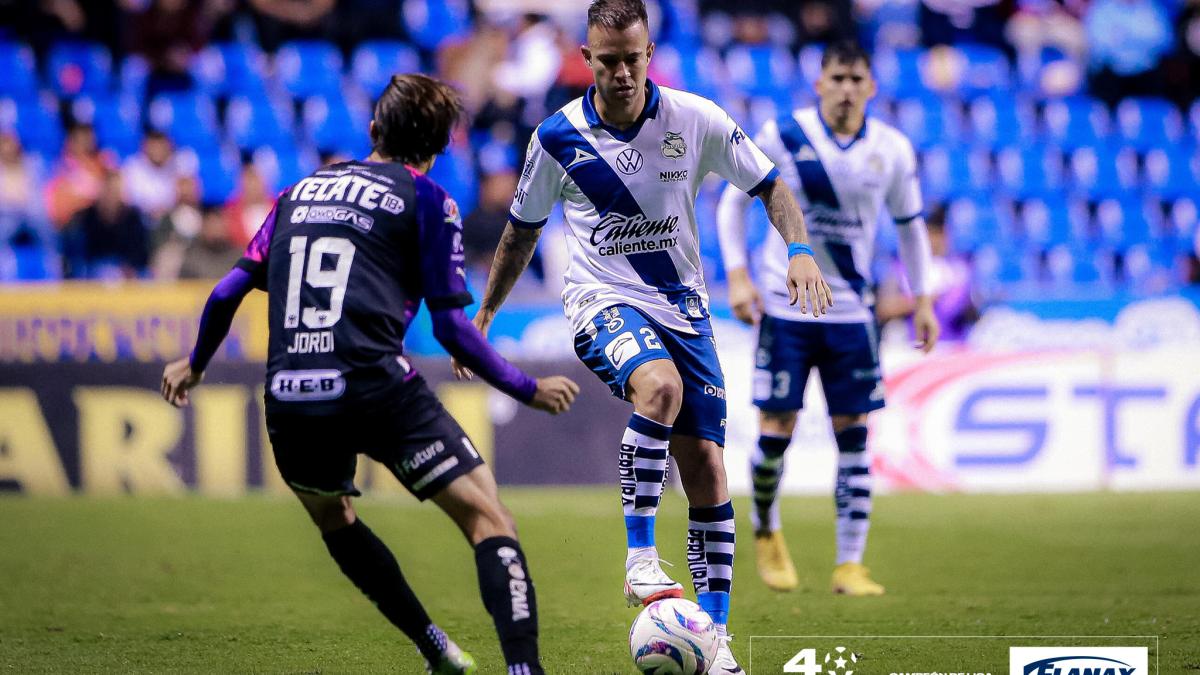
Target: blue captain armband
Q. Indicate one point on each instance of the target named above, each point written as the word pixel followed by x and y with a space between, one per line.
pixel 795 249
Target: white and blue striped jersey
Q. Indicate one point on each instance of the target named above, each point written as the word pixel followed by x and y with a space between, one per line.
pixel 842 188
pixel 629 201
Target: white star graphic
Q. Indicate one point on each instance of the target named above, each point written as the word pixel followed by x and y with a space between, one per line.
pixel 841 663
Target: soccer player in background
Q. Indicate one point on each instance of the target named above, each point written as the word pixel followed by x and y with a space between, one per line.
pixel 844 167
pixel 346 257
pixel 626 161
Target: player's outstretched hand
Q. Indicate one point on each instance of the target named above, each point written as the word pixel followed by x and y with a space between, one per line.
pixel 747 304
pixel 926 326
pixel 807 286
pixel 554 394
pixel 177 379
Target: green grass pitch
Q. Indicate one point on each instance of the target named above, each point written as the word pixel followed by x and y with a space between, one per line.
pixel 193 585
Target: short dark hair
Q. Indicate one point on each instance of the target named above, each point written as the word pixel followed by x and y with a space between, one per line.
pixel 845 52
pixel 414 117
pixel 617 14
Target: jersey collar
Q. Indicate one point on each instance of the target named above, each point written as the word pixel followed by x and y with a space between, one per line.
pixel 624 135
pixel 862 131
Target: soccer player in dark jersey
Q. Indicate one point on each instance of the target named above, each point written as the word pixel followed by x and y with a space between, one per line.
pixel 346 257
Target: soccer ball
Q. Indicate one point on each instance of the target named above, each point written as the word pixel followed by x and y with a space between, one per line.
pixel 673 637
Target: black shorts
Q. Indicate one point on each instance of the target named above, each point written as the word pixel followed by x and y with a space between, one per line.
pixel 410 433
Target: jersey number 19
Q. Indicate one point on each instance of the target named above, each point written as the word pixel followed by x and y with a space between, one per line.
pixel 316 275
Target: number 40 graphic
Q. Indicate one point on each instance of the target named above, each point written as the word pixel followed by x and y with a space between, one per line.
pixel 836 662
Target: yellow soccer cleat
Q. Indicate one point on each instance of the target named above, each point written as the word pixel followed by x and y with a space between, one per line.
pixel 774 563
pixel 854 579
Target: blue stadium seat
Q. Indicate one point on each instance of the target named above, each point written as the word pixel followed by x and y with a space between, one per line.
pixel 374 63
pixel 1124 221
pixel 131 77
pixel 1076 121
pixel 190 119
pixel 760 70
pixel 928 120
pixel 986 70
pixel 35 263
pixel 20 70
pixel 432 22
pixel 218 172
pixel 229 68
pixel 330 123
pixel 1172 171
pixel 999 119
pixel 255 121
pixel 1068 266
pixel 1051 220
pixel 283 165
pixel 1029 170
pixel 998 267
pixel 1146 123
pixel 1182 219
pixel 899 73
pixel 1099 170
pixel 1149 267
pixel 309 68
pixel 691 67
pixel 74 68
pixel 1194 120
pixel 36 123
pixel 809 61
pixel 455 172
pixel 978 220
pixel 117 120
pixel 948 170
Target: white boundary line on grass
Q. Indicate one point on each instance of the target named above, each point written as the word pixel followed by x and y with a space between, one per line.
pixel 1157 641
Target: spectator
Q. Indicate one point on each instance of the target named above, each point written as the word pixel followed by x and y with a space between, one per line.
pixel 167 33
pixel 210 254
pixel 1128 40
pixel 176 229
pixel 1184 83
pixel 948 22
pixel 1039 24
pixel 21 215
pixel 951 281
pixel 280 21
pixel 77 177
pixel 247 210
pixel 107 240
pixel 151 175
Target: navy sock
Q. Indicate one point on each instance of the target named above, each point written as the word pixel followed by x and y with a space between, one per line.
pixel 508 595
pixel 367 562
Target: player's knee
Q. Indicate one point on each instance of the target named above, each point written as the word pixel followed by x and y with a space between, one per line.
pixel 332 514
pixel 661 396
pixel 778 423
pixel 842 422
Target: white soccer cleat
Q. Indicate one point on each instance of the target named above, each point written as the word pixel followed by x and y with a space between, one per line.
pixel 724 663
pixel 645 582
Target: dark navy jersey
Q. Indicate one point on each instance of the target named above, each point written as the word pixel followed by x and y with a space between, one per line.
pixel 346 257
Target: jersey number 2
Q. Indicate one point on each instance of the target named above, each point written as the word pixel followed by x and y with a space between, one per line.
pixel 341 251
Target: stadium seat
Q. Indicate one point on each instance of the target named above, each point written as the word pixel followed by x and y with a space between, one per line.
pixel 899 73
pixel 1146 123
pixel 1099 170
pixel 948 170
pixel 132 75
pixel 1075 122
pixel 330 123
pixel 189 118
pixel 1149 268
pixel 217 170
pixel 283 165
pixel 1068 266
pixel 36 122
pixel 455 172
pixel 432 22
pixel 117 120
pixel 20 70
pixel 999 119
pixel 998 267
pixel 1029 170
pixel 928 120
pixel 1172 171
pixel 1194 120
pixel 978 220
pixel 986 69
pixel 1182 219
pixel 809 61
pixel 229 68
pixel 374 63
pixel 74 68
pixel 309 68
pixel 691 67
pixel 255 121
pixel 1123 221
pixel 760 70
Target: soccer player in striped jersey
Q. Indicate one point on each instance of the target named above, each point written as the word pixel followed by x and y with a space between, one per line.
pixel 844 167
pixel 626 161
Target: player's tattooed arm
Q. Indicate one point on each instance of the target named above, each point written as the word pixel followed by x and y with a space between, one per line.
pixel 513 254
pixel 805 282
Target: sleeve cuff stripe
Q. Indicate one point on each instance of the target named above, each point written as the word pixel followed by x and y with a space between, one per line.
pixel 531 225
pixel 909 219
pixel 762 184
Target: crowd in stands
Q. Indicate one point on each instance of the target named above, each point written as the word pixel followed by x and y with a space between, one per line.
pixel 147 138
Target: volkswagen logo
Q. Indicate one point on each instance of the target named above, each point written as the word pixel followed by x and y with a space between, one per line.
pixel 629 161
